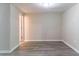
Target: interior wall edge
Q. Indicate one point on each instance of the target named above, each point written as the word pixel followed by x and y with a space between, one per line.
pixel 11 50
pixel 76 50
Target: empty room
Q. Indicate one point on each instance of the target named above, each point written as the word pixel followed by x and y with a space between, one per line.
pixel 39 29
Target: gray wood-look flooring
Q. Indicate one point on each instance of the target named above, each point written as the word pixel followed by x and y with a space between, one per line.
pixel 43 48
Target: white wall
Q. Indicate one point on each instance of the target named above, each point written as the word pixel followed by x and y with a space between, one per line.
pixel 4 26
pixel 9 27
pixel 44 26
pixel 70 31
pixel 14 26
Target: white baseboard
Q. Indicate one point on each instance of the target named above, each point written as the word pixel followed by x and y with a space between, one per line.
pixel 14 48
pixel 9 51
pixel 43 40
pixel 4 51
pixel 71 47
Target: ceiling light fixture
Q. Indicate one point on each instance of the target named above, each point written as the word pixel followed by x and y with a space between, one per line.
pixel 46 5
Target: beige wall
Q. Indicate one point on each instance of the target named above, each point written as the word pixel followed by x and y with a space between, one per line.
pixel 21 27
pixel 43 27
pixel 26 27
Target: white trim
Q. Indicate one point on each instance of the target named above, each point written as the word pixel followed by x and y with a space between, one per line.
pixel 71 47
pixel 4 51
pixel 14 48
pixel 9 51
pixel 44 40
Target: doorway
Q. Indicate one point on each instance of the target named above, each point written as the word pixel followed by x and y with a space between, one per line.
pixel 21 29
